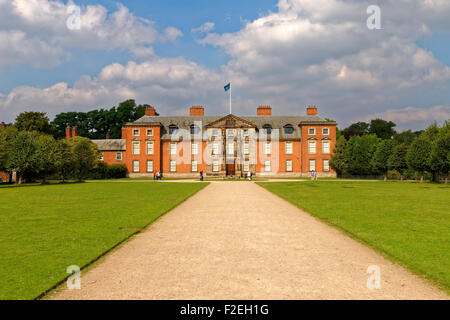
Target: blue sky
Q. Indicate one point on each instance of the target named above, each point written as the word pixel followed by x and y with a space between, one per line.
pixel 286 53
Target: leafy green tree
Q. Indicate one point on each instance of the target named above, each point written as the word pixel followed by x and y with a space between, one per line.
pixel 7 136
pixel 338 160
pixel 85 155
pixel 440 153
pixel 356 129
pixel 34 121
pixel 359 152
pixel 24 157
pixel 382 128
pixel 48 151
pixel 64 160
pixel 418 156
pixel 381 155
pixel 397 160
pixel 405 137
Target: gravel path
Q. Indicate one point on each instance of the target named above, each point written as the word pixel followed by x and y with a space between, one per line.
pixel 235 240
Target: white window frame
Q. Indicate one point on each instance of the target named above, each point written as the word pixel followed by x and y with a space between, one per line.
pixel 230 148
pixel 150 147
pixel 215 148
pixel 149 132
pixel 215 166
pixel 313 131
pixel 136 151
pixel 194 166
pixel 246 165
pixel 290 149
pixel 173 165
pixel 215 132
pixel 312 165
pixel 173 148
pixel 326 168
pixel 312 147
pixel 138 132
pixel 289 165
pixel 326 150
pixel 246 148
pixel 120 158
pixel 230 133
pixel 138 167
pixel 194 148
pixel 323 131
pixel 150 166
pixel 267 147
pixel 267 166
pixel 245 132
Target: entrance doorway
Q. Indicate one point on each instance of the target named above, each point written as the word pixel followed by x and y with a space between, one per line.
pixel 230 169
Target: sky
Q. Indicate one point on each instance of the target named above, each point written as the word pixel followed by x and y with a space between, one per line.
pixel 173 54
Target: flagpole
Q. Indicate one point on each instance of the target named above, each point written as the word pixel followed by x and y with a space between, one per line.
pixel 230 97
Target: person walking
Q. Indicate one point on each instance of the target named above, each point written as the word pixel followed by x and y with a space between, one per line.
pixel 154 175
pixel 249 176
pixel 313 173
pixel 201 175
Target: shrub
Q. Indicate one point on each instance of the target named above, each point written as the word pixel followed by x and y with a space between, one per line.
pixel 393 175
pixel 104 171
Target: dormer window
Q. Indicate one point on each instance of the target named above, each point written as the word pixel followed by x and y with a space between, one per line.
pixel 288 129
pixel 267 129
pixel 173 129
pixel 311 131
pixel 136 132
pixel 195 129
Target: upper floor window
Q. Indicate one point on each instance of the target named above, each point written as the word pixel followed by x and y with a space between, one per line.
pixel 288 147
pixel 136 147
pixel 230 148
pixel 325 147
pixel 150 147
pixel 149 132
pixel 325 131
pixel 245 132
pixel 195 129
pixel 267 147
pixel 312 131
pixel 215 132
pixel 136 132
pixel 312 147
pixel 173 149
pixel 267 129
pixel 230 132
pixel 194 148
pixel 173 129
pixel 246 148
pixel 288 129
pixel 215 148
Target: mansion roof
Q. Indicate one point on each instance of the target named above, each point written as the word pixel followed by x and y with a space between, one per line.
pixel 111 144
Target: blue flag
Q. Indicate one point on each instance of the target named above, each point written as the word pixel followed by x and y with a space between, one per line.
pixel 227 87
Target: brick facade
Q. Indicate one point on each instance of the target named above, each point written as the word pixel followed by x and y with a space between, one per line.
pixel 265 145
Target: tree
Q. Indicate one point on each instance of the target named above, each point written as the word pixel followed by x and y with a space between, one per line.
pixel 382 128
pixel 418 156
pixel 440 155
pixel 34 121
pixel 356 129
pixel 7 136
pixel 397 160
pixel 359 152
pixel 23 156
pixel 405 137
pixel 381 155
pixel 338 161
pixel 64 160
pixel 85 155
pixel 48 153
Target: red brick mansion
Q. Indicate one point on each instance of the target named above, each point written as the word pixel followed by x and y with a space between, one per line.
pixel 265 145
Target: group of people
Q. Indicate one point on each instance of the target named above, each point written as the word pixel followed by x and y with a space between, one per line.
pixel 313 175
pixel 157 175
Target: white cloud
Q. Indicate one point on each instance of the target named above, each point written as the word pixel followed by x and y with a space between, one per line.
pixel 43 24
pixel 204 28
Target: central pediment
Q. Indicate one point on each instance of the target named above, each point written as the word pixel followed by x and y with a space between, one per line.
pixel 231 121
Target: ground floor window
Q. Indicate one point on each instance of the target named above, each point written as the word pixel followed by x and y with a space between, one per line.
pixel 149 165
pixel 312 165
pixel 119 156
pixel 289 165
pixel 216 166
pixel 135 165
pixel 267 166
pixel 194 165
pixel 326 165
pixel 246 165
pixel 173 166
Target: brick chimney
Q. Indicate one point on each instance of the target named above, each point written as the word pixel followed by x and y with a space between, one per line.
pixel 68 132
pixel 2 126
pixel 108 135
pixel 311 111
pixel 74 131
pixel 264 111
pixel 150 111
pixel 197 111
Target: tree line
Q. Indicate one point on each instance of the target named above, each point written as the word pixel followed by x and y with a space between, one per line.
pixel 375 148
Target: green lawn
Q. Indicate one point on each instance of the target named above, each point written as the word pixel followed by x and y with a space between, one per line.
pixel 46 228
pixel 407 222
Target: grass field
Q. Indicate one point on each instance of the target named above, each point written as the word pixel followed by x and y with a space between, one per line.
pixel 46 228
pixel 407 222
